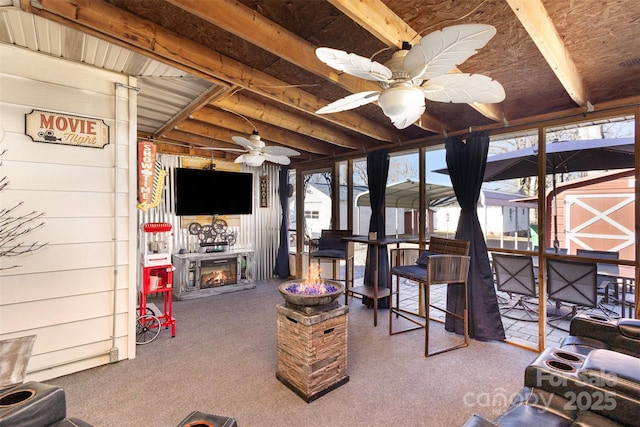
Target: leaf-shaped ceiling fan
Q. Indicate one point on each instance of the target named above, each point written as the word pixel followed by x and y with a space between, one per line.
pixel 413 74
pixel 258 152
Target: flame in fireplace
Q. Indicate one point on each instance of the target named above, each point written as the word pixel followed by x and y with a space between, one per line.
pixel 313 281
pixel 220 277
pixel 215 278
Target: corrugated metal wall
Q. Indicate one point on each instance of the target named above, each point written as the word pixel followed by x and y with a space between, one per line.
pixel 259 231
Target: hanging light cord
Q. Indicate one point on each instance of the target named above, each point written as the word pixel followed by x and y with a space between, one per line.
pixel 419 33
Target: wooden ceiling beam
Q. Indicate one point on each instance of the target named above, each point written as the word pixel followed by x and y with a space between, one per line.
pixel 215 125
pixel 247 24
pixel 267 113
pixel 122 28
pixel 535 19
pixel 214 92
pixel 220 118
pixel 198 140
pixel 375 17
pixel 182 143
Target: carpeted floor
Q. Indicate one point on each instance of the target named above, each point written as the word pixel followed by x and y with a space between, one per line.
pixel 223 361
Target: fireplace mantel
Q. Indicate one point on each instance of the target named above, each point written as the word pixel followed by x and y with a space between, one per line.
pixel 197 274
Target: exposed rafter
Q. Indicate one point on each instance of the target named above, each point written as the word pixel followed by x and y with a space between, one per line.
pixel 375 17
pixel 213 93
pixel 258 60
pixel 536 21
pixel 221 119
pixel 252 108
pixel 244 22
pixel 146 37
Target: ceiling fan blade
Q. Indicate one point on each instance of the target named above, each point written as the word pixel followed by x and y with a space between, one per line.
pixel 281 160
pixel 350 102
pixel 276 150
pixel 353 64
pixel 408 118
pixel 464 88
pixel 240 140
pixel 442 50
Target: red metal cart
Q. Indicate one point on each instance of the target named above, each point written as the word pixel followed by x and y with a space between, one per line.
pixel 157 278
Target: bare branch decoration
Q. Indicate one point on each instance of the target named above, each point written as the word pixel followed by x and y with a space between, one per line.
pixel 14 226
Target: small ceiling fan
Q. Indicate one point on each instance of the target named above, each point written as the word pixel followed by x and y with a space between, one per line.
pixel 258 152
pixel 418 72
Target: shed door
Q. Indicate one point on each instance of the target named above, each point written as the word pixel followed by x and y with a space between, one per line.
pixel 601 222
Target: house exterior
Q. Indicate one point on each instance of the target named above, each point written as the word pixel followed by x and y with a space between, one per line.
pixel 499 216
pixel 317 210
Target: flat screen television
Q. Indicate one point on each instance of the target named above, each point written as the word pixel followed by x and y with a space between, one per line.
pixel 206 192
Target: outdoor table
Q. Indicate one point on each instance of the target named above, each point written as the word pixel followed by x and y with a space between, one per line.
pixel 371 290
pixel 622 276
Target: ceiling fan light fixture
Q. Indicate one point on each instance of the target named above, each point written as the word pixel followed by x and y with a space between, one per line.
pixel 253 160
pixel 255 139
pixel 398 100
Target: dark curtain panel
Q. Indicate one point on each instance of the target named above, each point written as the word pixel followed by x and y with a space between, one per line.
pixel 466 163
pixel 281 269
pixel 377 172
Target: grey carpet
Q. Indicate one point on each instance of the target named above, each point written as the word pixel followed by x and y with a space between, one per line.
pixel 223 361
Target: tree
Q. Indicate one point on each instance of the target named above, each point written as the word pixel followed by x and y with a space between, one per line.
pixel 400 169
pixel 14 226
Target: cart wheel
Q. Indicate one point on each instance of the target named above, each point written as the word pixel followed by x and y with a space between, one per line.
pixel 148 310
pixel 147 328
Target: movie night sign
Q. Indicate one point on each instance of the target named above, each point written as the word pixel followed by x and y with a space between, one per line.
pixel 55 128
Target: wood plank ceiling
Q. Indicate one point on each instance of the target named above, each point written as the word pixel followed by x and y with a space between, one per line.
pixel 255 66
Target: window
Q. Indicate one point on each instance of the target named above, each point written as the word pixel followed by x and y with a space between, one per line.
pixel 311 214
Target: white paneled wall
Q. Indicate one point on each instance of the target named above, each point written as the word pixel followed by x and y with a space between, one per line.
pixel 78 293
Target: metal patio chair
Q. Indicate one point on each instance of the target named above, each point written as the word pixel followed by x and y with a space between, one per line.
pixel 604 282
pixel 332 248
pixel 514 275
pixel 571 282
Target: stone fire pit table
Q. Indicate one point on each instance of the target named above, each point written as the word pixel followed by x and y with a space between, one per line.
pixel 312 340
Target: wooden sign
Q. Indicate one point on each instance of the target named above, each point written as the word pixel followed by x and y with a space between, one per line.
pixel 150 176
pixel 264 191
pixel 56 128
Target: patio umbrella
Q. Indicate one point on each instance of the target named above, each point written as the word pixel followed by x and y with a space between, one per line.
pixel 562 157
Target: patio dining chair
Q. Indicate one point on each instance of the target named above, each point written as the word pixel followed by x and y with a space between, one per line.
pixel 514 275
pixel 445 262
pixel 331 247
pixel 548 250
pixel 571 282
pixel 628 299
pixel 604 282
pixel 625 296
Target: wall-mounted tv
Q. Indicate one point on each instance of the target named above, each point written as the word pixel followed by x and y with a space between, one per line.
pixel 206 192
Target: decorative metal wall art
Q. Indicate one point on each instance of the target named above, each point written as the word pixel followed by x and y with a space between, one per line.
pixel 264 191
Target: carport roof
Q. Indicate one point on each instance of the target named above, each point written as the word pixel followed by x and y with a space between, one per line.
pixel 405 195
